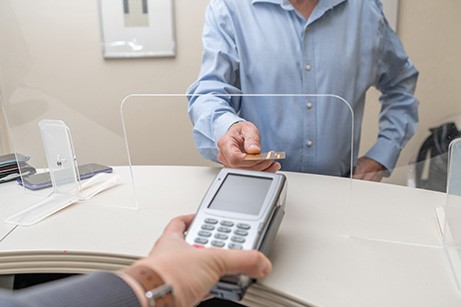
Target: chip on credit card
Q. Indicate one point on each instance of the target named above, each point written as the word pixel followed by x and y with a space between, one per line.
pixel 270 155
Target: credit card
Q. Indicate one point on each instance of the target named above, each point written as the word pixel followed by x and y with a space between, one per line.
pixel 270 155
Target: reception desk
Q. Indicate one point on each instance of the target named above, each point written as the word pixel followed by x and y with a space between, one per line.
pixel 316 260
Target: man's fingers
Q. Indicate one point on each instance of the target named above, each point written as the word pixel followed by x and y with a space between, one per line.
pixel 368 169
pixel 231 155
pixel 243 138
pixel 273 168
pixel 251 263
pixel 230 146
pixel 230 151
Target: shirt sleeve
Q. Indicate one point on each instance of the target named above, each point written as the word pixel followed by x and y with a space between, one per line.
pixel 214 99
pixel 398 117
pixel 97 289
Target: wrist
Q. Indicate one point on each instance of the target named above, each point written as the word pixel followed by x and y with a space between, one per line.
pixel 235 124
pixel 135 286
pixel 151 288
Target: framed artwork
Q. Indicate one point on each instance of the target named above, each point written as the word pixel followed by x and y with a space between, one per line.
pixel 137 28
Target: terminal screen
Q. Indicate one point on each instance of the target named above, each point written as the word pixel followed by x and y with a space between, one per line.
pixel 241 194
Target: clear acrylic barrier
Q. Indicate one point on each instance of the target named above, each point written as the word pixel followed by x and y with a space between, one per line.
pixel 164 119
pixel 452 211
pixel 32 89
pixel 404 211
pixel 158 130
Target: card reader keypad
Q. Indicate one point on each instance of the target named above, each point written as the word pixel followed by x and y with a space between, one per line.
pixel 222 233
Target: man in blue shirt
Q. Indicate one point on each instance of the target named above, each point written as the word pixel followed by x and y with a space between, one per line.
pixel 314 55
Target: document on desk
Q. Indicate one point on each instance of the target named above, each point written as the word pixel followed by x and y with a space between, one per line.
pixel 39 211
pixel 57 201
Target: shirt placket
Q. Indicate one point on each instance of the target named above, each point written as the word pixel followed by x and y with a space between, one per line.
pixel 309 119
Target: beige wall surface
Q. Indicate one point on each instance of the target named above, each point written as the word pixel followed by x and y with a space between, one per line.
pixel 51 66
pixel 431 34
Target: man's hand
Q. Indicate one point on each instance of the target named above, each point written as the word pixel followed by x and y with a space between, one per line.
pixel 368 169
pixel 192 271
pixel 240 139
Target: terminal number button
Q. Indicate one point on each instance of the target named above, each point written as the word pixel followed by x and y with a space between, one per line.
pixel 204 233
pixel 241 232
pixel 221 236
pixel 227 223
pixel 217 243
pixel 234 246
pixel 243 226
pixel 201 240
pixel 208 227
pixel 211 221
pixel 224 229
pixel 237 239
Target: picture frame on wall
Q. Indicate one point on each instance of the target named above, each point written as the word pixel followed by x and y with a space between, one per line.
pixel 137 28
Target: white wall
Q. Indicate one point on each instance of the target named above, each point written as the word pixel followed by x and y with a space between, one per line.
pixel 52 67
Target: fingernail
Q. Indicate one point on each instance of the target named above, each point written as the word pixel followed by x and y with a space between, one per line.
pixel 267 268
pixel 253 146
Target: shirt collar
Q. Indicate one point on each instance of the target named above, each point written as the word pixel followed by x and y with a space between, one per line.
pixel 322 7
pixel 269 1
pixel 326 3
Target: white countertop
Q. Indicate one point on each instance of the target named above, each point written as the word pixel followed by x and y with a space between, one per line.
pixel 320 255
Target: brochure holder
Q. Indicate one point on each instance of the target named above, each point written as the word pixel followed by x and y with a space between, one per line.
pixel 65 177
pixel 63 172
pixel 158 132
pixel 61 157
pixel 452 211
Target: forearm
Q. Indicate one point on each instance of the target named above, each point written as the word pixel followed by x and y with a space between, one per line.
pixel 98 289
pixel 214 99
pixel 398 118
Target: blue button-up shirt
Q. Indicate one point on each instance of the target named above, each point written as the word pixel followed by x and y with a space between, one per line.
pixel 267 47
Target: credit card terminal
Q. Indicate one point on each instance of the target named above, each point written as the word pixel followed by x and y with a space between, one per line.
pixel 242 209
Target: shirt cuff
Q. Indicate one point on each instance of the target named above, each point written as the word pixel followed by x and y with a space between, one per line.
pixel 222 124
pixel 385 152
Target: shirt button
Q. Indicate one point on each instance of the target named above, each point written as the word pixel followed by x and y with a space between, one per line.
pixel 309 105
pixel 308 67
pixel 309 143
